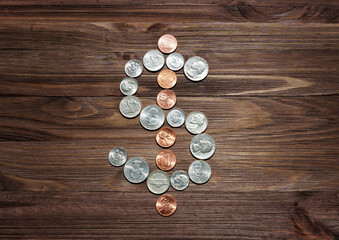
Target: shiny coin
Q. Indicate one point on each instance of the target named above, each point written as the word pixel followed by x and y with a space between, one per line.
pixel 167 43
pixel 199 172
pixel 136 170
pixel 202 146
pixel 180 180
pixel 196 68
pixel 167 78
pixel 165 160
pixel 130 106
pixel 175 61
pixel 158 182
pixel 153 60
pixel 133 68
pixel 166 99
pixel 152 117
pixel 175 117
pixel 166 205
pixel 117 156
pixel 196 122
pixel 128 86
pixel 165 137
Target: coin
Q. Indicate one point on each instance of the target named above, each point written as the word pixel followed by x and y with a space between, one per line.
pixel 165 137
pixel 166 99
pixel 158 182
pixel 196 68
pixel 166 205
pixel 136 170
pixel 152 117
pixel 167 43
pixel 196 122
pixel 153 60
pixel 175 117
pixel 202 146
pixel 117 156
pixel 133 68
pixel 175 61
pixel 130 106
pixel 167 78
pixel 165 160
pixel 128 86
pixel 180 180
pixel 199 172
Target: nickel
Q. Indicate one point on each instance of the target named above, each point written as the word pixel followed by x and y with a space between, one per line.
pixel 133 68
pixel 202 146
pixel 196 68
pixel 136 170
pixel 128 86
pixel 196 122
pixel 158 182
pixel 130 106
pixel 153 60
pixel 199 172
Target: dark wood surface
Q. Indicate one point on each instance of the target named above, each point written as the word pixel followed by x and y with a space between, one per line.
pixel 271 97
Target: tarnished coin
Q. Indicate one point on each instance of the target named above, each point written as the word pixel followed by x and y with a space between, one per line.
pixel 167 78
pixel 136 170
pixel 199 172
pixel 166 205
pixel 133 68
pixel 117 156
pixel 153 60
pixel 196 122
pixel 166 99
pixel 130 106
pixel 152 117
pixel 202 146
pixel 167 43
pixel 158 182
pixel 175 61
pixel 196 68
pixel 175 117
pixel 165 137
pixel 128 86
pixel 180 180
pixel 165 160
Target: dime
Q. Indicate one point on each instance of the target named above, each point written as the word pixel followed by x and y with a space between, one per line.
pixel 117 156
pixel 167 43
pixel 128 86
pixel 158 182
pixel 180 180
pixel 196 122
pixel 175 61
pixel 133 68
pixel 196 68
pixel 165 137
pixel 175 117
pixel 153 60
pixel 166 205
pixel 166 99
pixel 165 160
pixel 130 106
pixel 152 117
pixel 202 146
pixel 199 172
pixel 136 170
pixel 167 78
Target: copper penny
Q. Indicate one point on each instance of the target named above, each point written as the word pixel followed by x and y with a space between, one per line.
pixel 165 160
pixel 167 78
pixel 166 205
pixel 167 43
pixel 165 137
pixel 166 99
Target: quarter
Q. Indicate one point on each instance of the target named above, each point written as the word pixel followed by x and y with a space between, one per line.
pixel 202 146
pixel 166 99
pixel 167 43
pixel 130 106
pixel 175 117
pixel 117 156
pixel 158 182
pixel 154 60
pixel 196 68
pixel 167 78
pixel 199 172
pixel 166 205
pixel 133 68
pixel 175 61
pixel 196 122
pixel 165 137
pixel 128 86
pixel 165 160
pixel 180 180
pixel 136 170
pixel 152 117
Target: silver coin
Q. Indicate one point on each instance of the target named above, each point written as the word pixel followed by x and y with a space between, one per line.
pixel 196 122
pixel 128 86
pixel 130 106
pixel 153 60
pixel 175 117
pixel 175 61
pixel 136 170
pixel 202 146
pixel 196 68
pixel 180 180
pixel 158 182
pixel 199 172
pixel 133 68
pixel 152 117
pixel 117 156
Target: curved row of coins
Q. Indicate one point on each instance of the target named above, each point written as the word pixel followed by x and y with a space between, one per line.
pixel 152 117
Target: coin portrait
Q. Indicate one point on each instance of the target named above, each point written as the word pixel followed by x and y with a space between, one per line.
pixel 202 146
pixel 175 117
pixel 167 78
pixel 196 68
pixel 175 61
pixel 117 156
pixel 180 180
pixel 165 137
pixel 133 68
pixel 196 122
pixel 153 60
pixel 128 86
pixel 152 117
pixel 166 99
pixel 199 172
pixel 136 170
pixel 130 106
pixel 166 205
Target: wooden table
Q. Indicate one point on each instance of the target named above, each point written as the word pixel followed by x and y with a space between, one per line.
pixel 271 99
